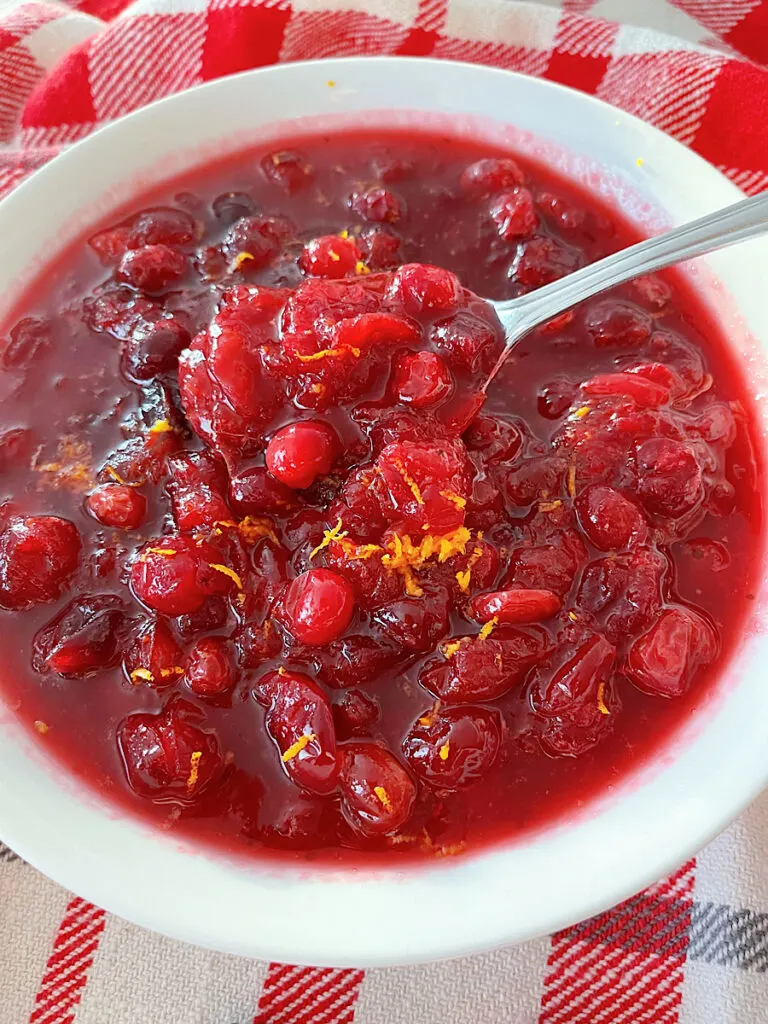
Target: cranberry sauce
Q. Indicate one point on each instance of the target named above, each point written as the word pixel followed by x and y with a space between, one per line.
pixel 272 574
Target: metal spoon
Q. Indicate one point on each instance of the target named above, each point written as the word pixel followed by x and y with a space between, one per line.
pixel 735 223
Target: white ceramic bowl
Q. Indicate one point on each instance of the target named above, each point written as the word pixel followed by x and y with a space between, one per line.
pixel 628 838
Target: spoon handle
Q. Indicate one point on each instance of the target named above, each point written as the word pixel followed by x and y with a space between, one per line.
pixel 735 223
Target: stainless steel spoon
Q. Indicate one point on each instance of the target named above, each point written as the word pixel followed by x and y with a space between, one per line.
pixel 736 223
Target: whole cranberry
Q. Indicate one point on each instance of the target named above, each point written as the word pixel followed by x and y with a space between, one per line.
pixel 254 492
pixel 288 169
pixel 154 348
pixel 209 670
pixel 84 637
pixel 38 556
pixel 624 592
pixel 515 606
pixel 423 289
pixel 355 660
pixel 421 379
pixel 663 660
pixel 377 792
pixel 609 519
pixel 380 248
pixel 260 238
pixel 330 256
pixel 174 575
pixel 166 757
pixel 318 606
pixel 162 226
pixel 376 204
pixel 453 747
pixel 117 505
pixel 300 452
pixel 514 214
pixel 541 260
pixel 154 657
pixel 468 342
pixel 300 721
pixel 494 174
pixel 152 268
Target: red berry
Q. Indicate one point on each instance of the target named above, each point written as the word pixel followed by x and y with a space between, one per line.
pixel 330 256
pixel 426 486
pixel 416 623
pixel 161 226
pixel 355 714
pixel 300 721
pixel 377 792
pixel 174 575
pixel 483 669
pixel 498 439
pixel 260 238
pixel 624 592
pixel 618 324
pixel 355 660
pixel 38 556
pixel 541 260
pixel 421 379
pixel 301 452
pixel 644 393
pixel 609 519
pixel 85 637
pixel 288 169
pixel 118 506
pixel 380 248
pixel 154 657
pixel 663 660
pixel 152 268
pixel 167 757
pixel 493 174
pixel 318 606
pixel 376 204
pixel 154 348
pixel 669 479
pixel 255 493
pixel 467 341
pixel 209 670
pixel 453 747
pixel 515 606
pixel 425 290
pixel 515 214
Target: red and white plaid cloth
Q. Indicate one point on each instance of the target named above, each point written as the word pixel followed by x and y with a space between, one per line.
pixel 693 949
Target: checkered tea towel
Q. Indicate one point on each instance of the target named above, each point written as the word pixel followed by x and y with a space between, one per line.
pixel 692 949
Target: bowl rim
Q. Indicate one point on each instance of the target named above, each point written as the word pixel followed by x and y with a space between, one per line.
pixel 79 865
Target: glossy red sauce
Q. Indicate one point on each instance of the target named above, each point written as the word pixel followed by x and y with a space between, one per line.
pixel 308 597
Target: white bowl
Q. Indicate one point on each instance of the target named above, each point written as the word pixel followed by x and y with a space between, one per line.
pixel 650 823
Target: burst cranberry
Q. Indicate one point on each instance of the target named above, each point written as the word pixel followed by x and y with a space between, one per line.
pixel 152 268
pixel 664 660
pixel 161 226
pixel 355 714
pixel 669 480
pixel 514 214
pixel 483 668
pixel 515 606
pixel 617 324
pixel 154 657
pixel 154 348
pixel 117 505
pixel 496 437
pixel 288 169
pixel 252 242
pixel 38 556
pixel 426 486
pixel 257 644
pixel 377 793
pixel 624 592
pixel 416 623
pixel 319 606
pixel 453 747
pixel 85 636
pixel 174 575
pixel 542 260
pixel 330 256
pixel 643 392
pixel 166 757
pixel 421 379
pixel 381 248
pixel 539 478
pixel 209 670
pixel 376 204
pixel 29 340
pixel 299 720
pixel 421 289
pixel 551 566
pixel 466 341
pixel 609 519
pixel 300 452
pixel 494 174
pixel 354 660
pixel 255 493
